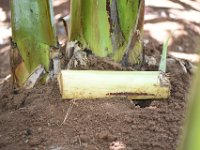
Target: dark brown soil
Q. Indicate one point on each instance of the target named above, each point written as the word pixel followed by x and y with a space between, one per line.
pixel 38 119
pixel 33 119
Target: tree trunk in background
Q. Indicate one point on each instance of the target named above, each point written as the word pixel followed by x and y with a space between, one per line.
pixel 33 37
pixel 109 27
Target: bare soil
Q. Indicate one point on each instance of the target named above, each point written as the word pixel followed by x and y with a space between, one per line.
pixel 39 119
pixel 33 119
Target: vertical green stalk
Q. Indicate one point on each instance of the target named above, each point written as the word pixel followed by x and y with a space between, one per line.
pixel 33 35
pixel 107 27
pixel 191 138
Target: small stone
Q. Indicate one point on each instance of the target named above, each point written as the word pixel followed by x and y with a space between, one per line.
pixel 180 48
pixel 26 141
pixel 39 129
pixel 28 132
pixel 133 126
pixel 117 145
pixel 151 61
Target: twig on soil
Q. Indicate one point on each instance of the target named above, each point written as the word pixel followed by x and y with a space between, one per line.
pixel 2 80
pixel 68 111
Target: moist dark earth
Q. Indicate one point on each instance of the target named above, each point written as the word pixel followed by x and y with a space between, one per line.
pixel 39 119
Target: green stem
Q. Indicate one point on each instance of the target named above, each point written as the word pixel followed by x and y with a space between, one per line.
pixel 33 35
pixel 191 137
pixel 106 27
